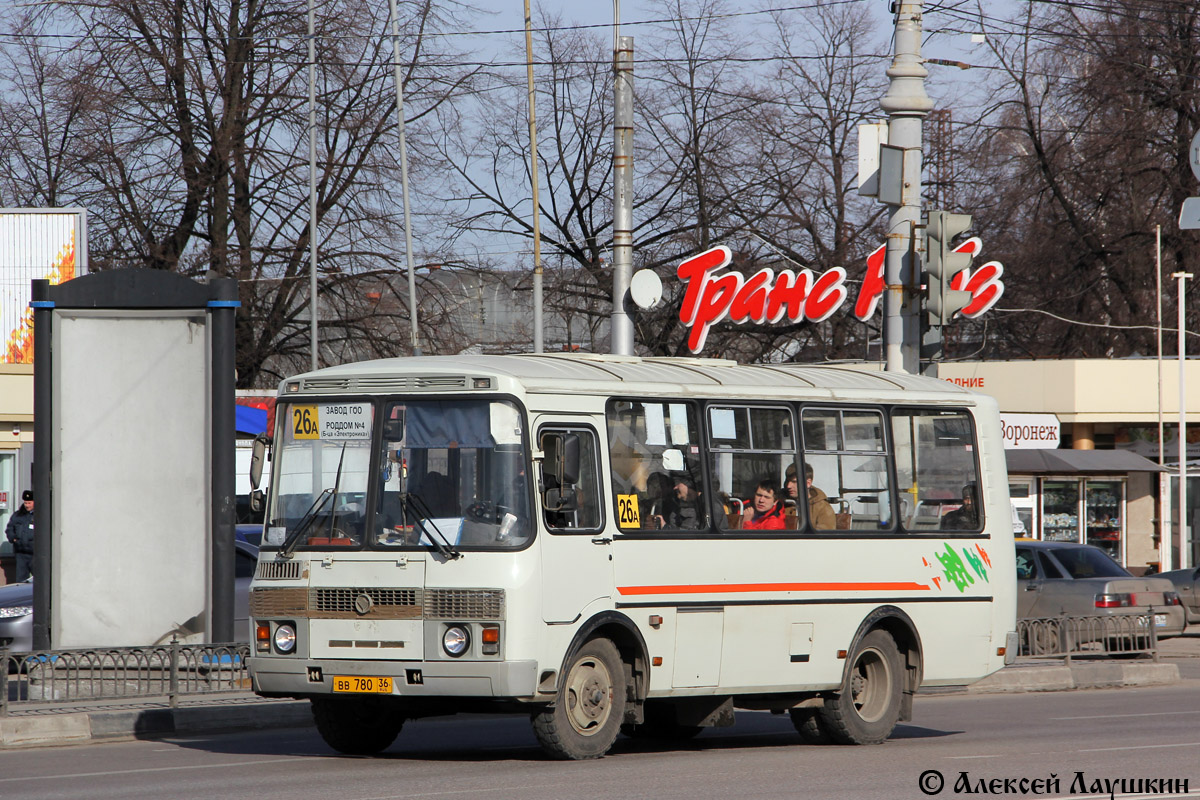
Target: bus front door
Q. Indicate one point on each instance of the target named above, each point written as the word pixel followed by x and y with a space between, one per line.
pixel 576 550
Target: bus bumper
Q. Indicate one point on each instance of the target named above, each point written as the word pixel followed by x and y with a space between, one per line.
pixel 299 677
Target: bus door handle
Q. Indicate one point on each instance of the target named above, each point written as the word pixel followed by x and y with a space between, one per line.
pixel 601 540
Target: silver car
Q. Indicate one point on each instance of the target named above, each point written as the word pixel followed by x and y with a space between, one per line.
pixel 1078 580
pixel 1187 584
pixel 16 604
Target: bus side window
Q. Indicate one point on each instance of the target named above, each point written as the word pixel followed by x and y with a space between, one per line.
pixel 570 480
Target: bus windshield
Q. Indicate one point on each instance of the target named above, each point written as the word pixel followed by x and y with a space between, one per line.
pixel 452 473
pixel 320 467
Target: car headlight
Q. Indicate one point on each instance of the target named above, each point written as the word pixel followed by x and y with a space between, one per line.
pixel 285 638
pixel 15 611
pixel 456 640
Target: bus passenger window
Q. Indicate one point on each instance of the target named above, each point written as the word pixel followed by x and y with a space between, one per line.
pixel 652 444
pixel 937 474
pixel 752 458
pixel 846 465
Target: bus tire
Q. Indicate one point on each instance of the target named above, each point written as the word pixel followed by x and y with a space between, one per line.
pixel 355 726
pixel 810 725
pixel 584 720
pixel 867 708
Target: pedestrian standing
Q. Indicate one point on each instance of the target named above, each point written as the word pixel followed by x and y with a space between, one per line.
pixel 19 531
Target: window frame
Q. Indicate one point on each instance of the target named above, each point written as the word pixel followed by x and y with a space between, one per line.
pixel 905 410
pixel 888 455
pixel 802 522
pixel 570 426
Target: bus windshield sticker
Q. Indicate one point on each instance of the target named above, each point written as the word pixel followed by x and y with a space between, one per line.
pixel 627 511
pixel 656 427
pixel 332 422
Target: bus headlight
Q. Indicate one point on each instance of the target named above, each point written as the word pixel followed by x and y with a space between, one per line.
pixel 285 638
pixel 456 640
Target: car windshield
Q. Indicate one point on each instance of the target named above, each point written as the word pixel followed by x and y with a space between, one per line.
pixel 320 467
pixel 1088 562
pixel 452 473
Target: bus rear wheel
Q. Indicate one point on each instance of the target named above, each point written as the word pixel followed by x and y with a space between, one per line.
pixel 355 726
pixel 810 725
pixel 584 720
pixel 867 708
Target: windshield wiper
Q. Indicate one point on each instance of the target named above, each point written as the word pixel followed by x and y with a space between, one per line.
pixel 310 516
pixel 422 515
pixel 289 544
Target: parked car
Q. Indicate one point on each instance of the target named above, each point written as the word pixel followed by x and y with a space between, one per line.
pixel 16 604
pixel 1078 580
pixel 1187 584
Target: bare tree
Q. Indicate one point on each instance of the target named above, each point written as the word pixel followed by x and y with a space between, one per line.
pixel 186 121
pixel 1083 153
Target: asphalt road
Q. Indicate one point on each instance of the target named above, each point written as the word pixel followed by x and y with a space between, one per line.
pixel 1114 734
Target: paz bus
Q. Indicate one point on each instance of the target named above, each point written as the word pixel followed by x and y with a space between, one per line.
pixel 574 537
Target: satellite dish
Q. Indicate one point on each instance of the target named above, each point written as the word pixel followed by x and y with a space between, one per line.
pixel 646 289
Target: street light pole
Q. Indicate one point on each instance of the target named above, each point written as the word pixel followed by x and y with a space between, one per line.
pixel 312 185
pixel 414 339
pixel 1184 555
pixel 538 344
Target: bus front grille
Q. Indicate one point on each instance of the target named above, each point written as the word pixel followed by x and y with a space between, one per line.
pixel 464 604
pixel 377 603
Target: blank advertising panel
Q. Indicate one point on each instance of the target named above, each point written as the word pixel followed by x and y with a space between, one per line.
pixel 131 432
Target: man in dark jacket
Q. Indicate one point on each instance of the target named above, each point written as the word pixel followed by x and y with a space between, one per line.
pixel 20 532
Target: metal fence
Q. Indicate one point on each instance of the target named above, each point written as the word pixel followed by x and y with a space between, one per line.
pixel 1065 636
pixel 171 670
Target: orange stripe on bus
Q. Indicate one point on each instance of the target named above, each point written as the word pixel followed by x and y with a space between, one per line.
pixel 775 587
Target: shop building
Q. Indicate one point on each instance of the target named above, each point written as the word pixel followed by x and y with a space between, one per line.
pixel 1084 456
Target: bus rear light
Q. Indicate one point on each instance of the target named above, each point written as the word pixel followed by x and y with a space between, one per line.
pixel 262 637
pixel 1114 601
pixel 489 640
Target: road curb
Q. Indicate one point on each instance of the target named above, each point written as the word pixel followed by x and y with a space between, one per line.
pixel 1076 676
pixel 148 723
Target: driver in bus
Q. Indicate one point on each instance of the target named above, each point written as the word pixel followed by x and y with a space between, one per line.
pixel 966 516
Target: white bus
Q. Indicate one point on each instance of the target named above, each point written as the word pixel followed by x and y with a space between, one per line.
pixel 611 544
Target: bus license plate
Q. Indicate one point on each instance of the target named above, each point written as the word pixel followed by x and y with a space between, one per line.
pixel 355 684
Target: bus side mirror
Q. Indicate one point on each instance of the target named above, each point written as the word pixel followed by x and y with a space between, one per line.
pixel 569 466
pixel 256 500
pixel 258 456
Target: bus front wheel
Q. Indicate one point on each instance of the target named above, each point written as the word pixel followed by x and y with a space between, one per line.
pixel 355 726
pixel 584 720
pixel 867 708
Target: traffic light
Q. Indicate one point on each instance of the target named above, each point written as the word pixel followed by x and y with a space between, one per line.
pixel 942 264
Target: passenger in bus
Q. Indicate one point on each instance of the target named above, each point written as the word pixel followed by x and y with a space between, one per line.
pixel 791 485
pixel 690 513
pixel 766 510
pixel 966 516
pixel 660 495
pixel 820 512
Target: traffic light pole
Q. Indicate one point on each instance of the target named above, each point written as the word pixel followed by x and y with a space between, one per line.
pixel 906 104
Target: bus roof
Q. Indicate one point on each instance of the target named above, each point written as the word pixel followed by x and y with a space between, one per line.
pixel 612 374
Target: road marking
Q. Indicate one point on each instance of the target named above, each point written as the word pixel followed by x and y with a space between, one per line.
pixel 958 757
pixel 1123 716
pixel 147 769
pixel 1139 747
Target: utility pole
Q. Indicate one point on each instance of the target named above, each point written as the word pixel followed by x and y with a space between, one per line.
pixel 312 188
pixel 533 175
pixel 906 104
pixel 413 329
pixel 622 325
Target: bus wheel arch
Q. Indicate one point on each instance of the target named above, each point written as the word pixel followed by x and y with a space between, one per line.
pixel 882 672
pixel 601 685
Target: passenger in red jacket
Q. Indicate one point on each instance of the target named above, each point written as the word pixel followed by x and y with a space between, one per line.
pixel 766 510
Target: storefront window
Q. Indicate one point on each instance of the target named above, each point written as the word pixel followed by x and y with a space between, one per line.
pixel 1104 503
pixel 1060 510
